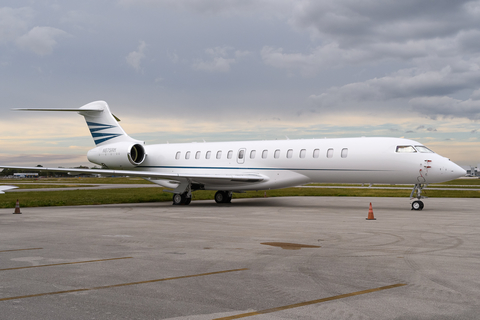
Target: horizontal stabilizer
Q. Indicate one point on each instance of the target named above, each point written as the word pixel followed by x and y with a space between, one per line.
pixel 5 188
pixel 103 125
pixel 57 109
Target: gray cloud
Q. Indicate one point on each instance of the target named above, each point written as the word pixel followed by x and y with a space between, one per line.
pixel 14 22
pixel 435 107
pixel 220 59
pixel 40 40
pixel 134 58
pixel 306 61
pixel 425 91
pixel 266 7
pixel 353 23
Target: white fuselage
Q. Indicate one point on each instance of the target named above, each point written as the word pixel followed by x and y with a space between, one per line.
pixel 256 165
pixel 293 162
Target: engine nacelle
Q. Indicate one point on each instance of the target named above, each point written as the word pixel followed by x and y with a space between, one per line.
pixel 120 155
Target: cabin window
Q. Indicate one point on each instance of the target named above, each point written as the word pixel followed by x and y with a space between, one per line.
pixel 197 155
pixel 316 153
pixel 187 155
pixel 344 153
pixel 406 149
pixel 330 153
pixel 264 154
pixel 276 155
pixel 252 154
pixel 219 154
pixel 289 153
pixel 208 154
pixel 241 154
pixel 303 152
pixel 177 156
pixel 423 149
pixel 230 154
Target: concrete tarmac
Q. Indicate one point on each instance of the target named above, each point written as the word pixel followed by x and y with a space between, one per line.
pixel 268 258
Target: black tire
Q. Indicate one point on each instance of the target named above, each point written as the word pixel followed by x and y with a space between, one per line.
pixel 220 197
pixel 181 198
pixel 417 205
pixel 178 199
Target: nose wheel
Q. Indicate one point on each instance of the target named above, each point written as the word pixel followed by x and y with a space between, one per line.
pixel 417 193
pixel 417 205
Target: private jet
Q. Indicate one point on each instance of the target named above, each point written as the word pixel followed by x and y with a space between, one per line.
pixel 240 166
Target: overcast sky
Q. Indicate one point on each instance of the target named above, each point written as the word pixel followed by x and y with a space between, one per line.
pixel 216 70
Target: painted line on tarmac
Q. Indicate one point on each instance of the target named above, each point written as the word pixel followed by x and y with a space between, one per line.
pixel 20 249
pixel 121 285
pixel 306 303
pixel 64 263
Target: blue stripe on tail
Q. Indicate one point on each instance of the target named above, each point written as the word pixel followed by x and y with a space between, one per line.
pixel 100 137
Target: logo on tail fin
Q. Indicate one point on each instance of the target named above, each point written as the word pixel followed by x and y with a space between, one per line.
pixel 100 137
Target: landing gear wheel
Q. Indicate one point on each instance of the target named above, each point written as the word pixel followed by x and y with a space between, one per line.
pixel 417 205
pixel 223 197
pixel 220 197
pixel 181 198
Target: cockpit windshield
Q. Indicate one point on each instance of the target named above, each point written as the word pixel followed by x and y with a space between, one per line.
pixel 411 149
pixel 423 149
pixel 406 149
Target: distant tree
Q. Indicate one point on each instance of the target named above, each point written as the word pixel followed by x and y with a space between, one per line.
pixel 7 172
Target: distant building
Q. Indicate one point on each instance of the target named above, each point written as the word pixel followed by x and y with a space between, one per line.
pixel 473 171
pixel 25 175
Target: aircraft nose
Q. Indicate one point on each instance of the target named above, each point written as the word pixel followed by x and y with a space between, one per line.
pixel 455 170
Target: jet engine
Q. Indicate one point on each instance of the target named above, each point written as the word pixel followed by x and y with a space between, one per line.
pixel 120 155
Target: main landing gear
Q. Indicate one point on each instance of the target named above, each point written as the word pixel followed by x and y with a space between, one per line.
pixel 223 197
pixel 182 198
pixel 186 197
pixel 417 189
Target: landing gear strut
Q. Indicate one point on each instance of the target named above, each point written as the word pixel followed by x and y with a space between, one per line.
pixel 223 197
pixel 186 196
pixel 417 193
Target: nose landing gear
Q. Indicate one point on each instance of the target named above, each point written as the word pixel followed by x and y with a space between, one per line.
pixel 417 193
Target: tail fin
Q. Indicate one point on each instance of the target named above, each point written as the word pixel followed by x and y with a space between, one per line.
pixel 101 122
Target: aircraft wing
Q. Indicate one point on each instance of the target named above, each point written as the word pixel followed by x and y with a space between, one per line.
pixel 246 178
pixel 5 188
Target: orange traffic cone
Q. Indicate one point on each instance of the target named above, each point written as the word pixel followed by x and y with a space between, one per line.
pixel 17 208
pixel 370 213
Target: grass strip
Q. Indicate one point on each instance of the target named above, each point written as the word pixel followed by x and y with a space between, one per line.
pixel 144 195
